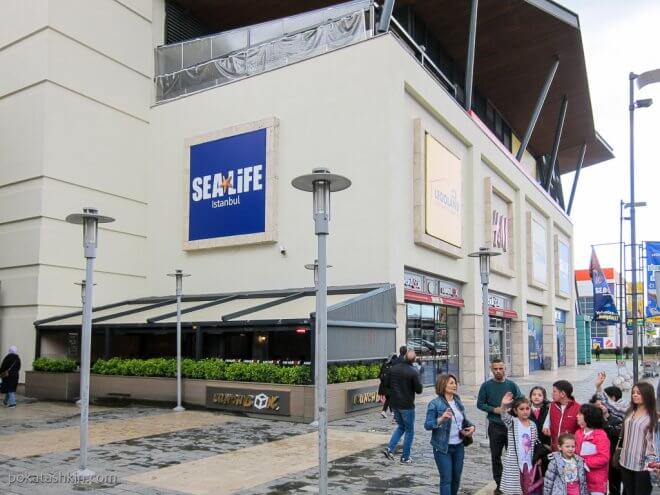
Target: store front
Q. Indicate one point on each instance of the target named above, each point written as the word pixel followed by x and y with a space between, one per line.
pixel 432 311
pixel 535 342
pixel 560 321
pixel 499 331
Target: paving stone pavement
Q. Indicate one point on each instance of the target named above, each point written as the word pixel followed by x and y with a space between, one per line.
pixel 366 472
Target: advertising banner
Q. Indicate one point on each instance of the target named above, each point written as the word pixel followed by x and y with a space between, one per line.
pixel 652 266
pixel 604 306
pixel 229 186
pixel 444 193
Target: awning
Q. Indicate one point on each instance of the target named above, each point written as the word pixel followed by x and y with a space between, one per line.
pixel 411 295
pixel 502 313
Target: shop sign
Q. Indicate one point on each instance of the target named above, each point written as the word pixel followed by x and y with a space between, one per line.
pixel 499 302
pixel 413 282
pixel 431 285
pixel 358 399
pixel 260 401
pixel 500 226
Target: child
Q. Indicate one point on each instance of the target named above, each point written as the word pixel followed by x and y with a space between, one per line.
pixel 522 436
pixel 540 410
pixel 566 474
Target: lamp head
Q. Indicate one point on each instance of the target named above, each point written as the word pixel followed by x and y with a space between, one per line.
pixel 644 103
pixel 90 220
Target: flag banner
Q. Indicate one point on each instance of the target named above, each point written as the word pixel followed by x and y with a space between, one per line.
pixel 652 266
pixel 604 307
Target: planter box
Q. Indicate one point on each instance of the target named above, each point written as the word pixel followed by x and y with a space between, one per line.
pixel 52 386
pixel 296 402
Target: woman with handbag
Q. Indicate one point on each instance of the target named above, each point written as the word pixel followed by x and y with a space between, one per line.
pixel 521 475
pixel 451 432
pixel 638 445
pixel 593 445
pixel 9 369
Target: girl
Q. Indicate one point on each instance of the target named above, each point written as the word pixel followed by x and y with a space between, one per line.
pixel 593 446
pixel 638 446
pixel 522 435
pixel 446 418
pixel 566 474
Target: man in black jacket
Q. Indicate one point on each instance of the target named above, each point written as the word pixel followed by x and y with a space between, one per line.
pixel 404 383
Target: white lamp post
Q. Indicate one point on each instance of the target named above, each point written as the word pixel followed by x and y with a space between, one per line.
pixel 321 183
pixel 178 275
pixel 484 254
pixel 90 220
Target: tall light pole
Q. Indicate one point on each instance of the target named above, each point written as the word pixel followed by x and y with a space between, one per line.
pixel 321 183
pixel 622 288
pixel 643 79
pixel 484 254
pixel 82 285
pixel 90 220
pixel 178 276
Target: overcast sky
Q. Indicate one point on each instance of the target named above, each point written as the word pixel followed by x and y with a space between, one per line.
pixel 619 36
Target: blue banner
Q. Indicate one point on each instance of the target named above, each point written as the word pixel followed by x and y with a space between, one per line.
pixel 652 265
pixel 604 307
pixel 228 187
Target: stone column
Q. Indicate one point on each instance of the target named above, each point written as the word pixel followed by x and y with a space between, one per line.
pixel 471 340
pixel 519 348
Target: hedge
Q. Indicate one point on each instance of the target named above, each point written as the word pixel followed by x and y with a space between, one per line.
pixel 217 369
pixel 54 365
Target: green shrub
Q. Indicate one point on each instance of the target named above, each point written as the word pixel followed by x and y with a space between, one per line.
pixel 54 365
pixel 217 369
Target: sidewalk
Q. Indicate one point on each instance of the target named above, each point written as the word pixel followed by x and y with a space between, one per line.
pixel 149 450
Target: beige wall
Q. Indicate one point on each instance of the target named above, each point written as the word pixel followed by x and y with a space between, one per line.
pixel 78 129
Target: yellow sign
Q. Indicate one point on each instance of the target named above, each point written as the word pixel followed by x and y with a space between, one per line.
pixel 444 193
pixel 640 299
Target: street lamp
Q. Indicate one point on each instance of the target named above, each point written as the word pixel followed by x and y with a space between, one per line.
pixel 178 275
pixel 484 254
pixel 90 220
pixel 643 79
pixel 321 183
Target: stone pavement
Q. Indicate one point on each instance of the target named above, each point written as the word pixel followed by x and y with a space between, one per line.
pixel 151 450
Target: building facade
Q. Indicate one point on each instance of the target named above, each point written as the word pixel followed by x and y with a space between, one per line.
pixel 84 124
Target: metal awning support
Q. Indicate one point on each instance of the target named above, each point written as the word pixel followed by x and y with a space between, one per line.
pixel 132 311
pixel 555 145
pixel 385 16
pixel 205 305
pixel 583 151
pixel 259 307
pixel 469 67
pixel 537 109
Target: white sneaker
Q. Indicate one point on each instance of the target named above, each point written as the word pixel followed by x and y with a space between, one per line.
pixel 383 414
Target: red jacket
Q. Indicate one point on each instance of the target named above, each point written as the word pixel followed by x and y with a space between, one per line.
pixel 562 422
pixel 598 462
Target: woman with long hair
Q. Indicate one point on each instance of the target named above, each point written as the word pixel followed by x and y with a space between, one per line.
pixel 593 445
pixel 450 427
pixel 638 446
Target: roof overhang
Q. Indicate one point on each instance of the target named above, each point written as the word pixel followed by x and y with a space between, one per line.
pixel 517 41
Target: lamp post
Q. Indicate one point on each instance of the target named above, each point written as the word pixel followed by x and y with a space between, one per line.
pixel 321 183
pixel 90 220
pixel 82 285
pixel 484 254
pixel 643 79
pixel 178 275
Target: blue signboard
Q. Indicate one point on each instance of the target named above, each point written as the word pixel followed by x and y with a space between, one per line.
pixel 535 342
pixel 652 266
pixel 604 307
pixel 227 187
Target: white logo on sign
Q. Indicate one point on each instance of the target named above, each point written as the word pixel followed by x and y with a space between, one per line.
pixel 261 401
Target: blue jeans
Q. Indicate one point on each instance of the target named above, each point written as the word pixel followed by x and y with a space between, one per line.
pixel 450 468
pixel 10 399
pixel 405 419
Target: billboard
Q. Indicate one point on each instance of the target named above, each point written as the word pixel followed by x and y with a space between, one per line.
pixel 444 193
pixel 604 307
pixel 652 268
pixel 230 187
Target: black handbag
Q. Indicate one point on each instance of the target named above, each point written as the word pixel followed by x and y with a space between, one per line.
pixel 467 440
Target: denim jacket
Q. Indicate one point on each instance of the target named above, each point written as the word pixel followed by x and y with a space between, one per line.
pixel 440 432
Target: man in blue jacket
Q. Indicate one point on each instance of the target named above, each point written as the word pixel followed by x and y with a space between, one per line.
pixel 404 383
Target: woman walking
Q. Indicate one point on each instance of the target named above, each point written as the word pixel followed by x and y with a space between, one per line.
pixel 518 475
pixel 638 446
pixel 383 387
pixel 450 427
pixel 9 369
pixel 593 445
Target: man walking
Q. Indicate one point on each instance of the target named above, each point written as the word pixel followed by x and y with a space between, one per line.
pixel 404 383
pixel 489 401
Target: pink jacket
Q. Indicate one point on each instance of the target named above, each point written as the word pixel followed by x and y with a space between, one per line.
pixel 598 463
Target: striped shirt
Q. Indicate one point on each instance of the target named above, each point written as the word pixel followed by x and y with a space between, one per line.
pixel 638 442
